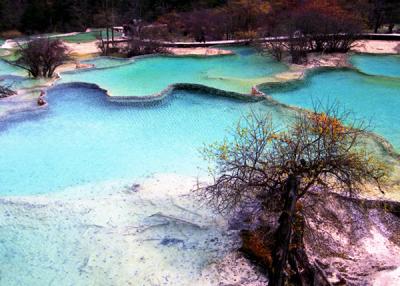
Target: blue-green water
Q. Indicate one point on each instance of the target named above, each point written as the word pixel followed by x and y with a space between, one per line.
pixel 7 69
pixel 237 73
pixel 107 62
pixel 14 77
pixel 83 153
pixel 83 138
pixel 378 65
pixel 373 99
pixel 20 82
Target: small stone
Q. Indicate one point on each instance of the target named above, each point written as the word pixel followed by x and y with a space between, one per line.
pixel 41 101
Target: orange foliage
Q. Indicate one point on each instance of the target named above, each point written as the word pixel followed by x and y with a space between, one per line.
pixel 254 244
pixel 329 8
pixel 323 124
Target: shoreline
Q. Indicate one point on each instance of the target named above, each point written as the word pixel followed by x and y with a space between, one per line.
pixel 360 46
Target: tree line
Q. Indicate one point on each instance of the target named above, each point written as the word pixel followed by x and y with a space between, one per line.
pixel 216 18
pixel 38 16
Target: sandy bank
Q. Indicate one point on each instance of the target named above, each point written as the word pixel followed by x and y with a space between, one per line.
pixel 199 51
pixel 377 47
pixel 315 60
pixel 83 49
pixel 71 66
pixel 90 48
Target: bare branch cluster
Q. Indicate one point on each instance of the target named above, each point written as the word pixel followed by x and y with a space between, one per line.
pixel 6 91
pixel 41 57
pixel 317 26
pixel 317 148
pixel 315 154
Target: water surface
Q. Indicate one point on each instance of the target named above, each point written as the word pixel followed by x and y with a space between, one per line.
pixel 148 76
pixel 83 138
pixel 378 65
pixel 370 98
pixel 7 69
pixel 83 153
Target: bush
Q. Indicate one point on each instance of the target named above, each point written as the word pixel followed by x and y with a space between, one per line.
pixel 6 91
pixel 138 47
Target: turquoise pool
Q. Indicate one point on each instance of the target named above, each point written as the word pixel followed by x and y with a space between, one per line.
pixel 108 62
pixel 69 214
pixel 378 65
pixel 370 98
pixel 148 76
pixel 15 77
pixel 83 138
pixel 7 69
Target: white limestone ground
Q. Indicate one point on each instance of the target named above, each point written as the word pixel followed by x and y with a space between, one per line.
pixel 116 233
pixel 377 47
pixel 355 241
pixel 23 101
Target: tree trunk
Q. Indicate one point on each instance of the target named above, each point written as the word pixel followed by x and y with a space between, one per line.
pixel 378 22
pixel 390 28
pixel 298 258
pixel 107 27
pixel 284 233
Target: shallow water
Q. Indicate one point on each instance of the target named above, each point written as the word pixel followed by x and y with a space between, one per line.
pixel 148 76
pixel 7 69
pixel 108 62
pixel 83 153
pixel 377 65
pixel 84 138
pixel 373 99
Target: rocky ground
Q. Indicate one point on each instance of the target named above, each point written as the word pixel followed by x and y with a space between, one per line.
pixel 357 241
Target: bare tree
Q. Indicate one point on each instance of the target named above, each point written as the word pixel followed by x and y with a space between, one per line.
pixel 6 91
pixel 278 169
pixel 276 48
pixel 41 57
pixel 138 47
pixel 314 26
pixel 145 39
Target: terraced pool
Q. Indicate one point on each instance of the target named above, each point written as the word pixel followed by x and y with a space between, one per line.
pixel 378 65
pixel 7 69
pixel 70 210
pixel 149 76
pixel 370 98
pixel 92 226
pixel 83 138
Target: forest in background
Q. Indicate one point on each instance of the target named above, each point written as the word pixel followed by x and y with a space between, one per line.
pixel 34 16
pixel 39 16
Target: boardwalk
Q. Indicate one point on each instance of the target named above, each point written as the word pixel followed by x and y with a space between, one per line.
pixel 365 36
